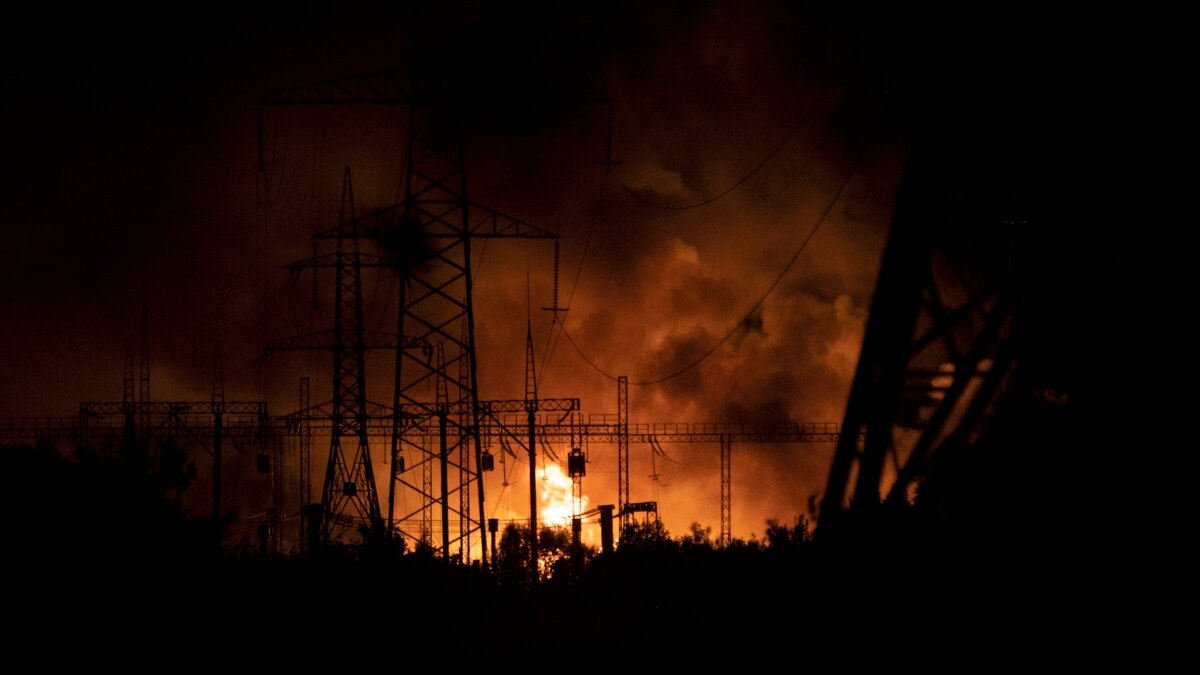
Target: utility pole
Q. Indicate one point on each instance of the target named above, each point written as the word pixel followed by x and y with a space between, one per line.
pixel 726 491
pixel 464 459
pixel 218 413
pixel 129 407
pixel 623 449
pixel 531 407
pixel 443 415
pixel 144 430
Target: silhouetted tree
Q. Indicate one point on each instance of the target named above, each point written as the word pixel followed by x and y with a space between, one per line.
pixel 94 536
pixel 560 559
pixel 512 556
pixel 699 537
pixel 783 537
pixel 649 535
pixel 381 545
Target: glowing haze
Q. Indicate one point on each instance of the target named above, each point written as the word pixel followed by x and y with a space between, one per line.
pixel 763 118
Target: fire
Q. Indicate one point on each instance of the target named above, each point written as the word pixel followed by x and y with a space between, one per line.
pixel 555 496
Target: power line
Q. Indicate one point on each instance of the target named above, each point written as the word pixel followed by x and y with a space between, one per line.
pixel 551 344
pixel 758 167
pixel 803 245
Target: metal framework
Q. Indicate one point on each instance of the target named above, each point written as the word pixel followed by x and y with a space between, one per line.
pixel 430 235
pixel 349 497
pixel 726 491
pixel 623 448
pixel 172 427
pixel 939 344
pixel 557 421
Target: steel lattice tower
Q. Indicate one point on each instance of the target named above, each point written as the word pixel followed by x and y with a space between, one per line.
pixel 349 497
pixel 623 448
pixel 436 297
pixel 938 348
pixel 726 491
pixel 429 234
pixel 349 485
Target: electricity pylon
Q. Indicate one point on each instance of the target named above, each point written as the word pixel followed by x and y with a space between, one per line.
pixel 940 342
pixel 349 496
pixel 429 237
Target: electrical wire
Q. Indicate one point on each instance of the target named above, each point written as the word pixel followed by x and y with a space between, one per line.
pixel 551 338
pixel 742 181
pixel 283 160
pixel 803 245
pixel 684 207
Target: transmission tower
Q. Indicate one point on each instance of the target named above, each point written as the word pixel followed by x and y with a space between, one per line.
pixel 430 235
pixel 349 496
pixel 939 343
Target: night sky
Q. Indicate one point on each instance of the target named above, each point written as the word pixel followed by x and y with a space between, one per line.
pixel 129 181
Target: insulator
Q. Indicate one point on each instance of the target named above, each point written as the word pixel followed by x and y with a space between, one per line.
pixel 576 463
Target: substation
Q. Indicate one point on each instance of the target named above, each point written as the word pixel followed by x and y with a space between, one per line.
pixel 938 351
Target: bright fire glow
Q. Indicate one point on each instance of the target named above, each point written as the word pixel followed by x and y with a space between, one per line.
pixel 555 496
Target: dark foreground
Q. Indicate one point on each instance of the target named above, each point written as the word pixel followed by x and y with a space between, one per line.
pixel 106 575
